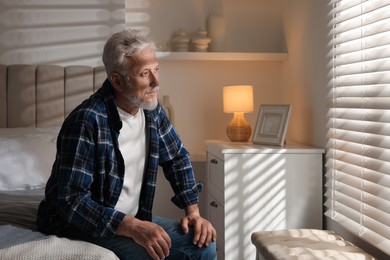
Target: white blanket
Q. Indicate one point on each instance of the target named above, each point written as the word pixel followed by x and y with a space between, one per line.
pixel 57 248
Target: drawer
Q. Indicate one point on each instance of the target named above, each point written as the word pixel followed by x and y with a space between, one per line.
pixel 215 177
pixel 216 217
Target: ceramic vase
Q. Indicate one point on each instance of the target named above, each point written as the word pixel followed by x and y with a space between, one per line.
pixel 216 27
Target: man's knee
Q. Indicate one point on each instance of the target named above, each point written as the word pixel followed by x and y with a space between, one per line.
pixel 211 251
pixel 193 252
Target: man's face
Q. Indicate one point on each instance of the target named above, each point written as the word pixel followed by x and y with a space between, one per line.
pixel 142 83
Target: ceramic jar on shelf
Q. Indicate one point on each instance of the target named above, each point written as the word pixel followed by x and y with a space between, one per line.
pixel 200 40
pixel 181 41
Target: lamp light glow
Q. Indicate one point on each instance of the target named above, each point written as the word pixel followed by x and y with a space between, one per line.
pixel 238 100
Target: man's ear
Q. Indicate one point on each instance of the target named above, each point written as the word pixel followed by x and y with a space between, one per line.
pixel 116 81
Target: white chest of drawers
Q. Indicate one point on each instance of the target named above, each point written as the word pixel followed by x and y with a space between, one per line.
pixel 254 187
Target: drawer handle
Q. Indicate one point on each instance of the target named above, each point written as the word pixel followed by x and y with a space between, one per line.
pixel 213 161
pixel 214 204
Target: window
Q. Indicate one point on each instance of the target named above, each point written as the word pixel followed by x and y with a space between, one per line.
pixel 358 149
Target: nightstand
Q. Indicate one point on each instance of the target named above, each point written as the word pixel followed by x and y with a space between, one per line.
pixel 255 187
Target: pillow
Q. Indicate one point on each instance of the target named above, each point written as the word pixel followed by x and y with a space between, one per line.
pixel 26 157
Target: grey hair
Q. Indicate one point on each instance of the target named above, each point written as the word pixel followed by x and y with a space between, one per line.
pixel 124 44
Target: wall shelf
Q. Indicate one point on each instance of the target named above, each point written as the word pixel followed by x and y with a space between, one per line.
pixel 221 56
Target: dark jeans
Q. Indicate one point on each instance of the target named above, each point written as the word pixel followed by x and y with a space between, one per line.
pixel 182 247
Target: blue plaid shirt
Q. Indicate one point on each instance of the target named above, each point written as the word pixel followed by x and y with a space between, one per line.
pixel 88 171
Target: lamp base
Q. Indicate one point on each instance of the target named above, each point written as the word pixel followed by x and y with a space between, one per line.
pixel 238 129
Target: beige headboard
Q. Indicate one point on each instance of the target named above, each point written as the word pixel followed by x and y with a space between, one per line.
pixel 43 95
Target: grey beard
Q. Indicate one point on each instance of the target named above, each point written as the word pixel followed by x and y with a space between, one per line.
pixel 148 105
pixel 143 104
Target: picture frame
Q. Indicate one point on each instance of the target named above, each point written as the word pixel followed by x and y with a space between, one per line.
pixel 272 124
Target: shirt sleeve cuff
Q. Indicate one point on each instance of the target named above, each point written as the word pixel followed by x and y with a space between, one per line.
pixel 111 222
pixel 188 197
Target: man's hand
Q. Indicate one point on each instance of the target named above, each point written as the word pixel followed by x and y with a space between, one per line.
pixel 204 232
pixel 147 234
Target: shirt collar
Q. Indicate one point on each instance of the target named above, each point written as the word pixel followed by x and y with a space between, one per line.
pixel 112 111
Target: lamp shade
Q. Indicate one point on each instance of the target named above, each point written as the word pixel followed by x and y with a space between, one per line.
pixel 238 98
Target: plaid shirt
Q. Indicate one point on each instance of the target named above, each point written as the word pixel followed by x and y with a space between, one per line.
pixel 87 175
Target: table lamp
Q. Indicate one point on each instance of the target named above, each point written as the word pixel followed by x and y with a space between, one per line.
pixel 238 100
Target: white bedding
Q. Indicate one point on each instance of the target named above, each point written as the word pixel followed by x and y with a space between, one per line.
pixel 26 158
pixel 20 240
pixel 52 247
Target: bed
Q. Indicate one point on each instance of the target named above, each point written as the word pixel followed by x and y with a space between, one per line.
pixel 34 100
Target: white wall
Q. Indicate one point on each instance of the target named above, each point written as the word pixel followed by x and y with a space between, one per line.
pixel 68 32
pixel 252 25
pixel 195 90
pixel 74 32
pixel 305 74
pixel 195 87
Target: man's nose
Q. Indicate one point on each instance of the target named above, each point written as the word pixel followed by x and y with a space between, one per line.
pixel 154 78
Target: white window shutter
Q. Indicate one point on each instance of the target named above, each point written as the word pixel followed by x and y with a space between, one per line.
pixel 358 148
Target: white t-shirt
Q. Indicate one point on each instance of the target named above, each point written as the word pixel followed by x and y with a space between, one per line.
pixel 132 141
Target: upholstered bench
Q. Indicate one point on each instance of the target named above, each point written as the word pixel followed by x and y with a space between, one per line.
pixel 305 244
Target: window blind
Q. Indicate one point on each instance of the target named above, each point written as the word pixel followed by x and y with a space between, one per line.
pixel 358 148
